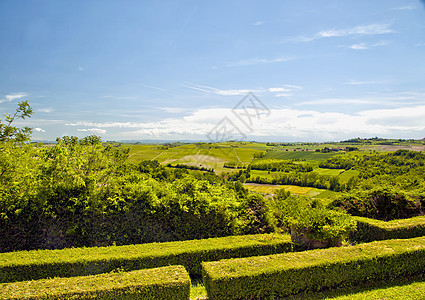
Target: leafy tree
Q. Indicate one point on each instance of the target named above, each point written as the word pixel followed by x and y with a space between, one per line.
pixel 13 133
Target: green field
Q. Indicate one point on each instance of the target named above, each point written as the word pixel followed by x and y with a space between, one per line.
pixel 200 155
pixel 296 190
pixel 312 157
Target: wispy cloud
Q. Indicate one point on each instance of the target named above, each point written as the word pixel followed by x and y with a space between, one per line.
pixel 45 110
pixel 154 87
pixel 360 82
pixel 405 7
pixel 258 23
pixel 365 46
pixel 285 90
pixel 256 61
pixel 371 29
pixel 94 130
pixel 212 90
pixel 13 96
pixel 38 129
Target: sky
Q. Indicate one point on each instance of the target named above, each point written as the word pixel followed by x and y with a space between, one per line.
pixel 307 71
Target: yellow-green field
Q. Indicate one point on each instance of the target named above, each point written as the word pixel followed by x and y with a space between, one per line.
pixel 296 190
pixel 200 155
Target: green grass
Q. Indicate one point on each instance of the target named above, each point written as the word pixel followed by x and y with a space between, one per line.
pixel 328 172
pixel 345 176
pixel 314 158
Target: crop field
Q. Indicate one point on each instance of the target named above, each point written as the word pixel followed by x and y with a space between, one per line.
pixel 200 155
pixel 346 175
pixel 314 158
pixel 296 190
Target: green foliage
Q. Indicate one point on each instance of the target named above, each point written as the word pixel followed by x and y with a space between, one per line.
pixel 382 203
pixel 79 192
pixel 277 165
pixel 309 220
pixel 268 277
pixel 171 282
pixel 9 133
pixel 37 264
pixel 369 230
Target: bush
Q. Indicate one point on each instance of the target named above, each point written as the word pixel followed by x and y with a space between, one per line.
pixel 162 283
pixel 369 230
pixel 30 265
pixel 311 224
pixel 280 275
pixel 382 203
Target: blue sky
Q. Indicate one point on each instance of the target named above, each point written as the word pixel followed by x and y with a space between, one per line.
pixel 174 70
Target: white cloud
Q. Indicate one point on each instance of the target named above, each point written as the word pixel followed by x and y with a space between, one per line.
pixel 45 110
pixel 406 7
pixel 258 23
pixel 286 90
pixel 12 97
pixel 212 90
pixel 38 129
pixel 298 124
pixel 279 89
pixel 94 130
pixel 154 87
pixel 371 29
pixel 256 61
pixel 365 46
pixel 358 82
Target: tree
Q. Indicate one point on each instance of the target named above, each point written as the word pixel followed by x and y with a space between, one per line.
pixel 12 133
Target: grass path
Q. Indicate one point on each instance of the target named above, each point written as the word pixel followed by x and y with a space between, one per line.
pixel 158 155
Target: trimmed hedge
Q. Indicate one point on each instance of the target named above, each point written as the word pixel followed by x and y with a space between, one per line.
pixel 162 283
pixel 284 274
pixel 369 230
pixel 38 264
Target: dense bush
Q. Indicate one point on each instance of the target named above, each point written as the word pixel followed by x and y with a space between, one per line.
pixel 81 193
pixel 162 283
pixel 382 203
pixel 311 224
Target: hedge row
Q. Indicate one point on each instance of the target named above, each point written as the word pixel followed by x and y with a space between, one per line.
pixel 369 230
pixel 161 283
pixel 284 274
pixel 38 264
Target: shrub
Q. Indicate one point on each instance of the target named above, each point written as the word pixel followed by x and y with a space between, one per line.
pixel 171 282
pixel 369 230
pixel 30 265
pixel 283 274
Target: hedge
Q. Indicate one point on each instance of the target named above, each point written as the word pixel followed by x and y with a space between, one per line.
pixel 161 283
pixel 38 264
pixel 283 274
pixel 369 230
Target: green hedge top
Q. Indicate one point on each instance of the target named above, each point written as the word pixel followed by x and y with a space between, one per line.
pixel 37 264
pixel 161 283
pixel 252 266
pixel 394 224
pixel 70 255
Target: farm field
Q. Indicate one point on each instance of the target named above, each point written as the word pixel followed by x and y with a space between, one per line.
pixel 296 190
pixel 200 155
pixel 312 157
